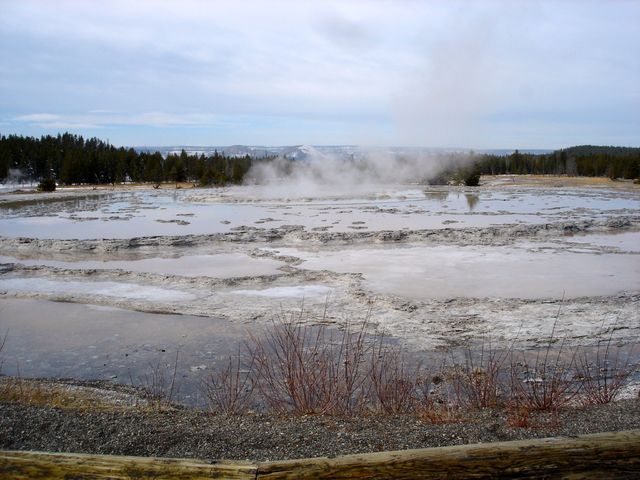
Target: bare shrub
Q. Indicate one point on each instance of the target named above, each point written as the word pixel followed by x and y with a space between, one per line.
pixel 520 417
pixel 549 383
pixel 434 401
pixel 393 382
pixel 229 389
pixel 438 413
pixel 543 386
pixel 478 383
pixel 352 394
pixel 293 370
pixel 2 343
pixel 604 376
pixel 159 383
pixel 304 369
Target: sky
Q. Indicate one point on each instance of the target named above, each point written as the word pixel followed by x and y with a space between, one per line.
pixel 456 74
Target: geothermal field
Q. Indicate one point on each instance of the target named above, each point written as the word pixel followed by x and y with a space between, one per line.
pixel 100 283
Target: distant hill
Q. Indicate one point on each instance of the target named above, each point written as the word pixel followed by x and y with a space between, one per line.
pixel 297 152
pixel 300 152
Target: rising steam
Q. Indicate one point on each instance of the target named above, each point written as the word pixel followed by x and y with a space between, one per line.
pixel 323 173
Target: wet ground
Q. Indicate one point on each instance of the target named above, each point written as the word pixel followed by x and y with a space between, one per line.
pixel 97 283
pixel 70 340
pixel 529 271
pixel 220 265
pixel 103 214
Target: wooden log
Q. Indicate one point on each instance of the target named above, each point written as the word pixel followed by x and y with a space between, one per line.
pixel 603 455
pixel 24 465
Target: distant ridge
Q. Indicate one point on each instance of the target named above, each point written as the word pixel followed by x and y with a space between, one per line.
pixel 305 151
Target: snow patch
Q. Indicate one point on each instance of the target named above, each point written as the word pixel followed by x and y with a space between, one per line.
pixel 295 292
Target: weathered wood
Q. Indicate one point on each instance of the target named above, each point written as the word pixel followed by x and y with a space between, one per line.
pixel 602 455
pixel 24 465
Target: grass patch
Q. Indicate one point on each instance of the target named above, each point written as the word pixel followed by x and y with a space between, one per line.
pixel 66 396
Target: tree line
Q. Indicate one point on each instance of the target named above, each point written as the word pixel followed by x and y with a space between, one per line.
pixel 584 160
pixel 72 159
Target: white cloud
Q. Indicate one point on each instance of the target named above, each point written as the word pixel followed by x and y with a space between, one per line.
pixel 51 121
pixel 62 126
pixel 99 119
pixel 37 118
pixel 427 72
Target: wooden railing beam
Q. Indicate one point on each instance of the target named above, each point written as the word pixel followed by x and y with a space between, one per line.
pixel 609 455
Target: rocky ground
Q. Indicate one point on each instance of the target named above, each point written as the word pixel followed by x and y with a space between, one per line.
pixel 179 432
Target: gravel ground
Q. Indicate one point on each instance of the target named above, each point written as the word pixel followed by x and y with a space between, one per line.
pixel 193 433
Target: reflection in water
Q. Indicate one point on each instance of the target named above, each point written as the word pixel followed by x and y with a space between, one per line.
pixel 436 195
pixel 128 214
pixel 472 200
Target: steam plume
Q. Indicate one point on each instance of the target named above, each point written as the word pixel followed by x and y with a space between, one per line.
pixel 343 174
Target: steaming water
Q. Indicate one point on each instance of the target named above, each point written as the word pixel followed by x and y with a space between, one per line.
pixel 10 187
pixel 183 212
pixel 439 272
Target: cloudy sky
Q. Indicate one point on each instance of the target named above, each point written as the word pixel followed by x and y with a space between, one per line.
pixel 502 74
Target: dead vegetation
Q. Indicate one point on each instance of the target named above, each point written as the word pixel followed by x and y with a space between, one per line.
pixel 38 392
pixel 2 343
pixel 158 384
pixel 294 368
pixel 603 374
pixel 229 389
pixel 297 369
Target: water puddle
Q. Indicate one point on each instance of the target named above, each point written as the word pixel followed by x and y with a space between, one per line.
pixel 210 211
pixel 426 272
pixel 52 339
pixel 85 342
pixel 625 241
